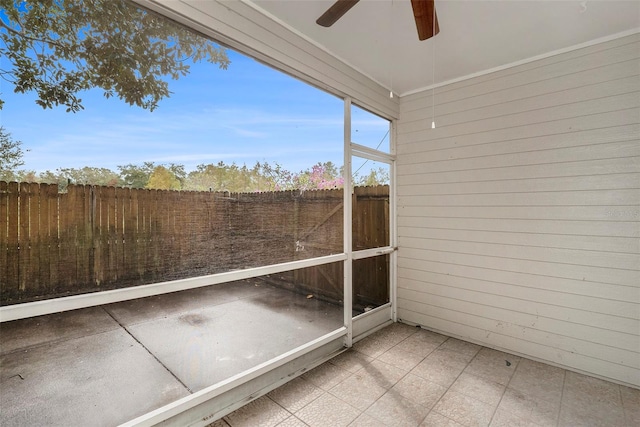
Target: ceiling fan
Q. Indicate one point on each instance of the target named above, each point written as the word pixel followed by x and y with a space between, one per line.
pixel 423 12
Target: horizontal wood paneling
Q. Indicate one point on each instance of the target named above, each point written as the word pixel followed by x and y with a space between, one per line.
pixel 563 213
pixel 513 133
pixel 450 125
pixel 626 229
pixel 538 279
pixel 583 152
pixel 577 183
pixel 617 260
pixel 519 215
pixel 573 63
pixel 563 268
pixel 608 73
pixel 546 91
pixel 575 138
pixel 588 340
pixel 539 301
pixel 604 91
pixel 608 244
pixel 534 198
pixel 612 165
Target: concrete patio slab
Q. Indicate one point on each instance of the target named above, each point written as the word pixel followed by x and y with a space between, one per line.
pixel 107 365
pixel 26 333
pixel 161 306
pixel 206 346
pixel 98 380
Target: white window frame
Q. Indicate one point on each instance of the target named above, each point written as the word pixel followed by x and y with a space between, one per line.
pixel 370 321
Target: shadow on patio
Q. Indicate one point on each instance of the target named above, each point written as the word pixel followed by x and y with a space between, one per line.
pixel 408 376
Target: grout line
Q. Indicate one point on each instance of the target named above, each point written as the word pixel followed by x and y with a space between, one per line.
pixel 447 388
pixel 148 351
pixel 463 369
pixel 376 358
pixel 506 387
pixel 291 414
pixel 564 382
pixel 401 378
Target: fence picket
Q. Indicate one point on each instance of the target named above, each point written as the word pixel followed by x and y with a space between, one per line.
pixel 34 237
pixel 141 200
pixel 97 236
pixel 24 252
pixel 53 199
pixel 13 243
pixel 70 254
pixel 4 228
pixel 44 238
pixel 84 249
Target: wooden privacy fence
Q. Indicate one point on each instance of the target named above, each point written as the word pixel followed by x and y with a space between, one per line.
pixel 97 238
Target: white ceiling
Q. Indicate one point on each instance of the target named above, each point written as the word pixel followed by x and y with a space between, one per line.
pixel 379 38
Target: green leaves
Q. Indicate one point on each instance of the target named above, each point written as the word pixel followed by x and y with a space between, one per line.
pixel 60 48
pixel 10 152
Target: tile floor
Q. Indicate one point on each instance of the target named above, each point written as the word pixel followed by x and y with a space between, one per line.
pixel 407 376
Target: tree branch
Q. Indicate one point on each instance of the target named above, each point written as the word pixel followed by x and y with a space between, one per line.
pixel 33 39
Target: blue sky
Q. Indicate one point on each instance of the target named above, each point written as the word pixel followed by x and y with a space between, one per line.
pixel 244 114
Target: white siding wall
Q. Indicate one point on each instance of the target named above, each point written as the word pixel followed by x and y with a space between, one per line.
pixel 519 215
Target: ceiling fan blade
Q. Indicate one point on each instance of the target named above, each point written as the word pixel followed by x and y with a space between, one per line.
pixel 335 12
pixel 426 18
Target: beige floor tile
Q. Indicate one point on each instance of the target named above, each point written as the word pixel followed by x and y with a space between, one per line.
pixel 575 417
pixel 393 409
pixel 421 343
pixel 494 365
pixel 631 404
pixel 327 411
pixel 351 360
pixel 450 357
pixel 538 379
pixel 384 338
pixel 326 376
pixel 419 390
pixel 374 379
pixel 382 373
pixel 372 347
pixel 530 408
pixel 292 421
pixel 438 373
pixel 396 332
pixel 465 348
pixel 439 367
pixel 295 394
pixel 592 396
pixel 435 419
pixel 359 390
pixel 262 412
pixel 400 358
pixel 630 397
pixel 218 423
pixel 590 387
pixel 503 418
pixel 479 388
pixel 365 420
pixel 464 410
